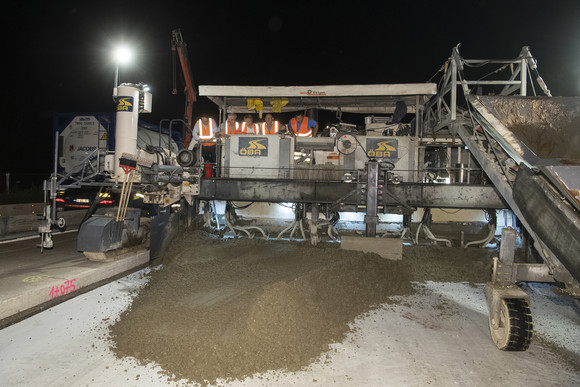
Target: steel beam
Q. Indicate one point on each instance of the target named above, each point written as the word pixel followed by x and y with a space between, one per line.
pixel 394 195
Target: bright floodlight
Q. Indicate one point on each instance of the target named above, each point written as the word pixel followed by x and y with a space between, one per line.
pixel 123 55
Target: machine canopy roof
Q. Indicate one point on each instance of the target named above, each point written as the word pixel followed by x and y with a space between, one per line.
pixel 369 99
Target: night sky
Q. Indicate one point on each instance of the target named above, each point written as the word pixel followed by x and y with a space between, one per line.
pixel 57 54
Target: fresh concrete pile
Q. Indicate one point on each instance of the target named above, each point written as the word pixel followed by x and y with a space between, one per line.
pixel 222 309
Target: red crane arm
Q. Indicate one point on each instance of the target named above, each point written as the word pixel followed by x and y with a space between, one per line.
pixel 178 46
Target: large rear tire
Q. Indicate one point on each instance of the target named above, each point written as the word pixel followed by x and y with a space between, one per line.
pixel 511 325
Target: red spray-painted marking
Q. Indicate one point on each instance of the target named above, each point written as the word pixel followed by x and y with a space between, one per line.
pixel 65 288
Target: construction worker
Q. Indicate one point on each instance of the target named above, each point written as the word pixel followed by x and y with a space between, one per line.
pixel 302 126
pixel 269 126
pixel 248 126
pixel 231 125
pixel 204 132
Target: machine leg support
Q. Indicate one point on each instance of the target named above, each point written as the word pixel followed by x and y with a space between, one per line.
pixel 313 223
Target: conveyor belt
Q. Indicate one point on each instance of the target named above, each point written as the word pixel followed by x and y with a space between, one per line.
pixel 542 135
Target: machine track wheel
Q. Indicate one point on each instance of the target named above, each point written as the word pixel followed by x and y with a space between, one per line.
pixel 511 325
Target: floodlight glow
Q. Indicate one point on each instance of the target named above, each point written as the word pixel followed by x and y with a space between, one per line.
pixel 122 55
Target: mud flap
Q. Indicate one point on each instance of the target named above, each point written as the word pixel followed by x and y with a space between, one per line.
pixel 100 234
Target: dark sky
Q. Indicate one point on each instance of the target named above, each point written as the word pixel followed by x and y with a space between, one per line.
pixel 57 54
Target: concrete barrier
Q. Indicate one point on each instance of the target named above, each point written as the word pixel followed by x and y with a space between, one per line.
pixel 17 295
pixel 25 218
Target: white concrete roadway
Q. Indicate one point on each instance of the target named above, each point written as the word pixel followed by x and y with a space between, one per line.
pixel 29 279
pixel 438 337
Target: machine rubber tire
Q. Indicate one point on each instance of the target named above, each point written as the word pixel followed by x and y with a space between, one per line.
pixel 511 326
pixel 61 224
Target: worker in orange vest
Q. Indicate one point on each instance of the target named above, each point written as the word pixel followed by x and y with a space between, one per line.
pixel 248 126
pixel 302 126
pixel 231 125
pixel 204 132
pixel 269 126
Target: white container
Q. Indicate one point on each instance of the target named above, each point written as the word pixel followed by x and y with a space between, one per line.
pixel 127 122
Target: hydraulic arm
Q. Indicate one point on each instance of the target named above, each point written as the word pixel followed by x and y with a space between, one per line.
pixel 179 49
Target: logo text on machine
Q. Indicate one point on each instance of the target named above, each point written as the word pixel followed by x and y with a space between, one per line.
pixel 125 104
pixel 313 92
pixel 253 146
pixel 381 148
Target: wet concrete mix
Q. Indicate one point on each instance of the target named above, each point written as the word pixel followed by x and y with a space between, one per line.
pixel 227 309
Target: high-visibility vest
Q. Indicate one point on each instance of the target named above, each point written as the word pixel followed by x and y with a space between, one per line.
pixel 304 130
pixel 235 130
pixel 244 128
pixel 273 130
pixel 206 132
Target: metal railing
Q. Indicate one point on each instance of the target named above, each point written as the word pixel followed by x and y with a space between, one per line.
pixel 462 77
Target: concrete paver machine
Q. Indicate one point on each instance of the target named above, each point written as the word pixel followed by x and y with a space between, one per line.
pixel 476 144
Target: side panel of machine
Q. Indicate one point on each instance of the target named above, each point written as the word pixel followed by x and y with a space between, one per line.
pixel 331 164
pixel 82 138
pixel 253 156
pixel 396 150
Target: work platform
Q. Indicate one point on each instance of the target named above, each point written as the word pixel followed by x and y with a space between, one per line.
pixel 31 281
